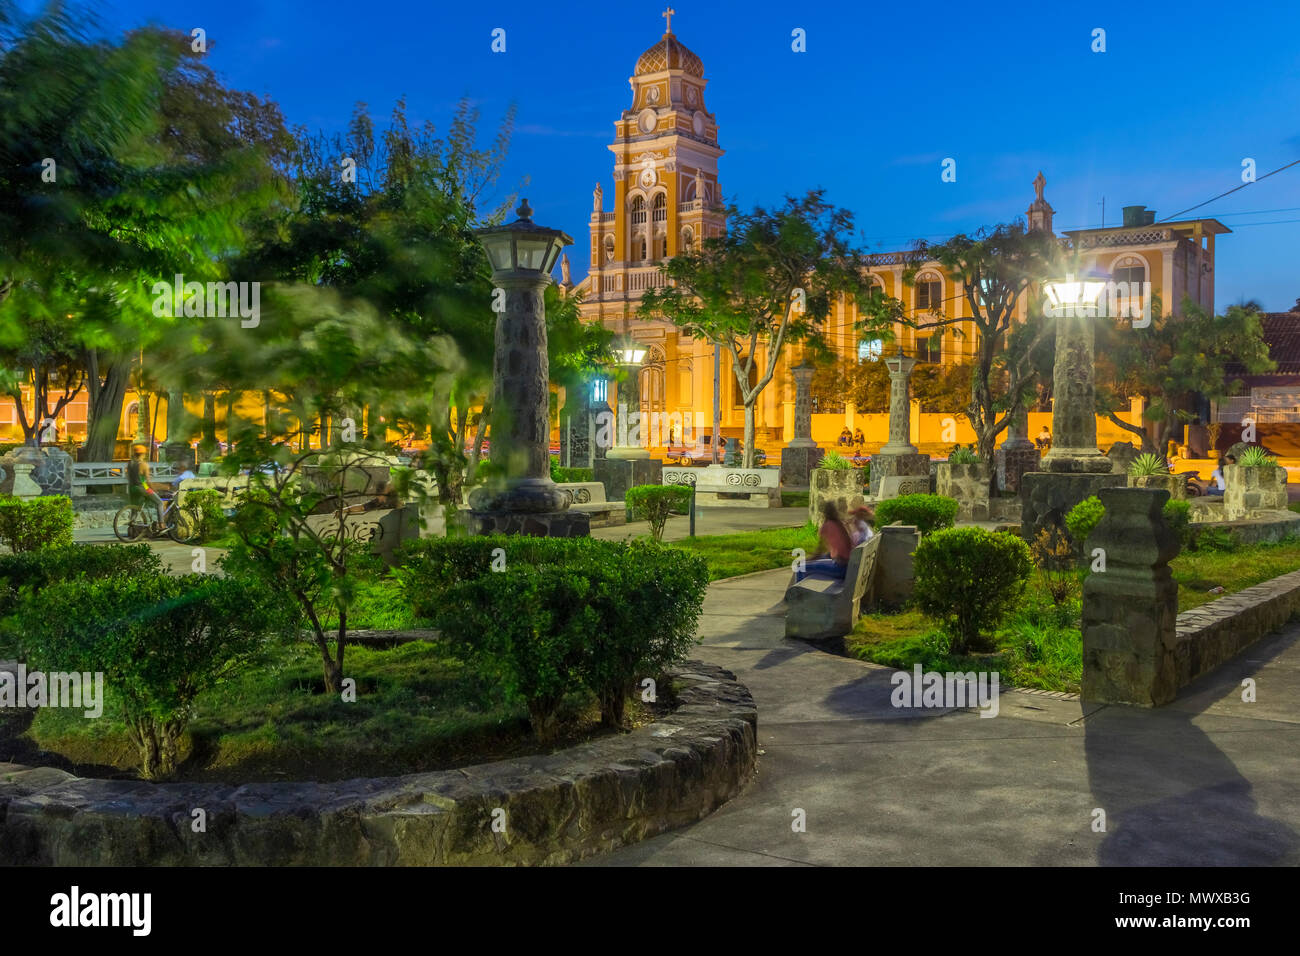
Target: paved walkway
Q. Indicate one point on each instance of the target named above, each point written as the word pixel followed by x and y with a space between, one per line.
pixel 1207 780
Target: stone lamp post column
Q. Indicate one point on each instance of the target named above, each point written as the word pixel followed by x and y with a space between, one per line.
pixel 898 458
pixel 801 454
pixel 522 255
pixel 1074 410
pixel 628 421
pixel 900 372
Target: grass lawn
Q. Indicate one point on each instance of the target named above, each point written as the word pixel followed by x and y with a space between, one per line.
pixel 730 555
pixel 1040 646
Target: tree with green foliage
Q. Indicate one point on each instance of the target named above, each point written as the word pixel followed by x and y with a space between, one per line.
pixel 1172 360
pixel 768 281
pixel 111 179
pixel 996 269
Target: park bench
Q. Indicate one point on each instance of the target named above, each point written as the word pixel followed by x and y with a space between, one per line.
pixel 109 473
pixel 819 609
pixel 730 487
pixel 383 528
pixel 589 497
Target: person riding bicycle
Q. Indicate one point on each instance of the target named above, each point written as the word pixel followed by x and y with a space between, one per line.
pixel 137 483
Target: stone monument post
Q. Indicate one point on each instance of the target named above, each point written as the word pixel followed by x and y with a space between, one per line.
pixel 801 454
pixel 898 457
pixel 1130 602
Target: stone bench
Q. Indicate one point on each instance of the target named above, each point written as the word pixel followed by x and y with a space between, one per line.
pixel 730 487
pixel 383 529
pixel 819 609
pixel 588 497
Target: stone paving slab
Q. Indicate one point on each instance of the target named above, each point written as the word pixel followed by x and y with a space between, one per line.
pixel 1207 780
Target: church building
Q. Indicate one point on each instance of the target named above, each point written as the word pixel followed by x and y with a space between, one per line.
pixel 667 196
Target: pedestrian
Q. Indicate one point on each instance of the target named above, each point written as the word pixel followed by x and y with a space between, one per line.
pixel 1044 439
pixel 858 438
pixel 835 538
pixel 1217 483
pixel 861 519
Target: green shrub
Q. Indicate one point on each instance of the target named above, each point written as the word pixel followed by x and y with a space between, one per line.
pixel 928 512
pixel 1256 457
pixel 30 523
pixel 202 507
pixel 546 615
pixel 1178 515
pixel 834 461
pixel 1083 517
pixel 158 640
pixel 561 475
pixel 1087 514
pixel 30 571
pixel 654 503
pixel 969 579
pixel 1144 466
pixel 963 456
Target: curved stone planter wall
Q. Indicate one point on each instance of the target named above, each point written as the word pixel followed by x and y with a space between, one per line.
pixel 556 808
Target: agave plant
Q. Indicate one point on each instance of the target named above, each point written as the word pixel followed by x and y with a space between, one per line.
pixel 835 462
pixel 1256 457
pixel 1143 466
pixel 963 456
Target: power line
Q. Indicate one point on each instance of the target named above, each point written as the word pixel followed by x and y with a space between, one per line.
pixel 1295 162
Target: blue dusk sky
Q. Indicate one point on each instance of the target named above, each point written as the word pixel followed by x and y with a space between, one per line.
pixel 1164 117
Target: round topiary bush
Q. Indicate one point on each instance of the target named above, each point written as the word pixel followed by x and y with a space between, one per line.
pixel 969 579
pixel 928 512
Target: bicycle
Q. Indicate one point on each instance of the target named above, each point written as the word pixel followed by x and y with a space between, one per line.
pixel 132 523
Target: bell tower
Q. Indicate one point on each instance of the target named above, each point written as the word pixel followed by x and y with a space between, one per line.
pixel 666 197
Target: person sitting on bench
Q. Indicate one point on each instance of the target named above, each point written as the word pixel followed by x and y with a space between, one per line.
pixel 835 537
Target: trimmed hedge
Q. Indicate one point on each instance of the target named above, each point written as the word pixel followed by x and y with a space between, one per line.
pixel 158 640
pixel 27 524
pixel 928 512
pixel 969 579
pixel 546 615
pixel 654 503
pixel 31 571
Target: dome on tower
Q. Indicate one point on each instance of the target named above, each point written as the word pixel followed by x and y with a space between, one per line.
pixel 669 54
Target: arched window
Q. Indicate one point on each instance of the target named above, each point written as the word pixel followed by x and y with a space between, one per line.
pixel 929 292
pixel 609 248
pixel 638 210
pixel 688 240
pixel 689 195
pixel 659 208
pixel 1129 269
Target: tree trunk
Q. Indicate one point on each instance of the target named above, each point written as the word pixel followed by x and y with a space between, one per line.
pixel 105 400
pixel 748 460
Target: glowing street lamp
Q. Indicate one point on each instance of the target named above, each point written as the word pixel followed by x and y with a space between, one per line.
pixel 1072 300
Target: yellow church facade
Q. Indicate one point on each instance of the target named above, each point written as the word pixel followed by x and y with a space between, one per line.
pixel 667 196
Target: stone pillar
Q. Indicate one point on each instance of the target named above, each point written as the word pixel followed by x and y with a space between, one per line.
pixel 529 502
pixel 900 412
pixel 1074 410
pixel 575 431
pixel 1130 609
pixel 898 457
pixel 1018 454
pixel 176 448
pixel 629 422
pixel 801 455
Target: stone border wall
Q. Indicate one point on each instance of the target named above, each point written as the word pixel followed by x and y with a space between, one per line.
pixel 1214 633
pixel 557 808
